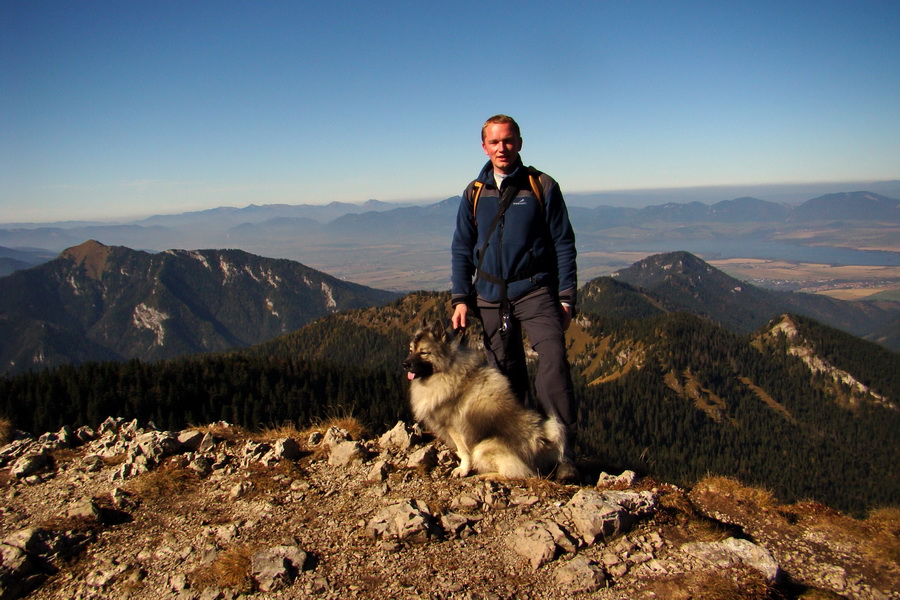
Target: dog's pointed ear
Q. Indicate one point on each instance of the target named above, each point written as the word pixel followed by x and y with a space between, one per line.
pixel 438 328
pixel 424 324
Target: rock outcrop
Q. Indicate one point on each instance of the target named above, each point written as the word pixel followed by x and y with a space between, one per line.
pixel 129 511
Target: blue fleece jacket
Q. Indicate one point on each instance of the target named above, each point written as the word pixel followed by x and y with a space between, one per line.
pixel 532 246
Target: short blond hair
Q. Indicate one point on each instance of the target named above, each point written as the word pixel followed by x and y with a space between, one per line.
pixel 500 120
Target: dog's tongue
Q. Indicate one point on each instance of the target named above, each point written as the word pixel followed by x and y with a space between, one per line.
pixel 410 375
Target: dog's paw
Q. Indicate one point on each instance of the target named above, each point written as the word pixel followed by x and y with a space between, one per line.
pixel 460 472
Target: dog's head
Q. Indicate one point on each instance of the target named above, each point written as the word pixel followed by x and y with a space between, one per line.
pixel 430 351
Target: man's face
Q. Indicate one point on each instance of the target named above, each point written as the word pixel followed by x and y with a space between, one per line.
pixel 502 146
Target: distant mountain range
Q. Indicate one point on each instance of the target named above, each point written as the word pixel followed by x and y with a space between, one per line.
pixel 95 302
pixel 404 247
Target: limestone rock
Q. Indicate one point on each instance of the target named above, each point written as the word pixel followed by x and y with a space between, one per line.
pixel 639 504
pixel 86 509
pixel 595 517
pixel 287 449
pixel 345 453
pixel 734 551
pixel 424 458
pixel 276 568
pixel 401 437
pixel 189 440
pixel 581 575
pixel 334 435
pixel 379 472
pixel 29 465
pixel 407 521
pixel 534 542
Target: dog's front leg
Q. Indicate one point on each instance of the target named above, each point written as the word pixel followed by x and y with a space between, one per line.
pixel 465 457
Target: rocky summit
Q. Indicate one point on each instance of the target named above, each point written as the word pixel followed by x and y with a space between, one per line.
pixel 216 512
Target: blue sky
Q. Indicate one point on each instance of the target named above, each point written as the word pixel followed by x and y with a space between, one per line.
pixel 129 108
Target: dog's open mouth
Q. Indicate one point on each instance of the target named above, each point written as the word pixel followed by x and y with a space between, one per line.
pixel 410 375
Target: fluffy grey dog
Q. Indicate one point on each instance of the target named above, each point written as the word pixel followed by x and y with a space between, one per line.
pixel 471 407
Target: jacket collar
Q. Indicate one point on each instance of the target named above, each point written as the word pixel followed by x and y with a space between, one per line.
pixel 487 173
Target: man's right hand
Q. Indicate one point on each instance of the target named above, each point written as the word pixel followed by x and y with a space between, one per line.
pixel 458 320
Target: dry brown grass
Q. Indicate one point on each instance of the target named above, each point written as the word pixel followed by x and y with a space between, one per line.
pixel 167 481
pixel 351 425
pixel 6 429
pixel 682 523
pixel 878 536
pixel 733 583
pixel 285 430
pixel 738 491
pixel 230 569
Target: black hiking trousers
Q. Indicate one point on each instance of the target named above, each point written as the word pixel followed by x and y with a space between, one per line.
pixel 538 315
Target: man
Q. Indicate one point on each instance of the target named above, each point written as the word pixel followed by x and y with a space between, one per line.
pixel 513 236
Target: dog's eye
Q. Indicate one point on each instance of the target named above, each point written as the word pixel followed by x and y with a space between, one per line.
pixel 424 353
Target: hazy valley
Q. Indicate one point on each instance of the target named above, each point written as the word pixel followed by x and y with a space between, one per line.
pixel 843 241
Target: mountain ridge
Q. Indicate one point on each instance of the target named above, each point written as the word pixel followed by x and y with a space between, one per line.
pixel 126 304
pixel 689 283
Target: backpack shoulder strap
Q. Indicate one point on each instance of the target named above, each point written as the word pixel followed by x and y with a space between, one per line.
pixel 476 194
pixel 534 179
pixel 537 185
pixel 537 188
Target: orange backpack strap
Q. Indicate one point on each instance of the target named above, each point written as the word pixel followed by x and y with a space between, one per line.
pixel 476 194
pixel 534 178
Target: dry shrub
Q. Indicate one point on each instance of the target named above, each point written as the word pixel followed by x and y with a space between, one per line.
pixel 355 429
pixel 739 492
pixel 544 487
pixel 168 481
pixel 876 539
pixel 349 424
pixel 885 526
pixel 886 520
pixel 682 523
pixel 285 430
pixel 6 430
pixel 230 569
